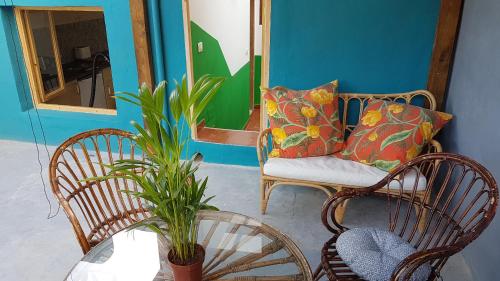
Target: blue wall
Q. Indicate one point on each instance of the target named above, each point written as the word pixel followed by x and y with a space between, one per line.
pixel 59 125
pixel 474 100
pixel 369 45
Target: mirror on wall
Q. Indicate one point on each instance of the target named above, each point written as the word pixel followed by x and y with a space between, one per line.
pixel 226 40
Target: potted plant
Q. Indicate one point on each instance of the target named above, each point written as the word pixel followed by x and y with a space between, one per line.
pixel 169 187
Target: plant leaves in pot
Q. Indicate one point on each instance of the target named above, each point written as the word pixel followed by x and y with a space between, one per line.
pixel 167 180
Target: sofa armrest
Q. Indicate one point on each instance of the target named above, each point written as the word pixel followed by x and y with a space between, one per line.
pixel 396 178
pixel 264 147
pixel 331 204
pixel 433 147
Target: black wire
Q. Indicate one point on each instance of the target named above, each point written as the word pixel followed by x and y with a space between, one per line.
pixel 19 65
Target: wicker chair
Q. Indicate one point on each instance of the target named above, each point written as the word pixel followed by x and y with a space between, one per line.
pixel 464 197
pixel 351 108
pixel 96 209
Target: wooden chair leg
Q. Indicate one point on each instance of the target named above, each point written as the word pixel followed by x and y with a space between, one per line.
pixel 263 196
pixel 318 273
pixel 340 211
pixel 423 219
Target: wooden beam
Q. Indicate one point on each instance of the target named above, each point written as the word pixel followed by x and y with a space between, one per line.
pixel 186 18
pixel 252 54
pixel 444 48
pixel 140 29
pixel 266 49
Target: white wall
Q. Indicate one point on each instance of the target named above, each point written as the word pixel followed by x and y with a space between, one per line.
pixel 228 21
pixel 258 30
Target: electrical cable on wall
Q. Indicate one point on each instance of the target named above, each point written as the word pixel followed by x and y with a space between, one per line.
pixel 19 66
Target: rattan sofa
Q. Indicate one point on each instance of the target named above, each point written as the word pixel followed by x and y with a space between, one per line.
pixel 351 107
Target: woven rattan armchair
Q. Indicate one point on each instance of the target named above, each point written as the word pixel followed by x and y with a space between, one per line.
pixel 96 209
pixel 464 197
pixel 351 108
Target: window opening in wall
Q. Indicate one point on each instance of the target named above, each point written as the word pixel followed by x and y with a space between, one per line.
pixel 67 58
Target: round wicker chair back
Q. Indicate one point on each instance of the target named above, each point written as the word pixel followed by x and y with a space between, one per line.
pixel 96 208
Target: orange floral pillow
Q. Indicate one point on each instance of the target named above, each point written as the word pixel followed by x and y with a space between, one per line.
pixel 390 134
pixel 304 123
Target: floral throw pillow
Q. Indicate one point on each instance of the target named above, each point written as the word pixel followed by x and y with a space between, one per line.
pixel 304 123
pixel 390 133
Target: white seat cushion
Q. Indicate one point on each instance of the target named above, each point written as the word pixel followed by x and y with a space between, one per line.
pixel 332 170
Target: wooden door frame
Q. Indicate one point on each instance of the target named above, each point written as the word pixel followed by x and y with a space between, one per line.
pixel 266 15
pixel 266 52
pixel 252 56
pixel 142 43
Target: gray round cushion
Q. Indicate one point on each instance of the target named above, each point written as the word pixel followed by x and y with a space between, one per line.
pixel 374 254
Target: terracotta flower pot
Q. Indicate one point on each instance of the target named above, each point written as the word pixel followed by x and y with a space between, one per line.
pixel 190 271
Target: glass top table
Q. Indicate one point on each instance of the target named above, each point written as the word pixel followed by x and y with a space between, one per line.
pixel 237 247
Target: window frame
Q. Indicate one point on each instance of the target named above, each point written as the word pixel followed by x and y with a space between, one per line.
pixel 31 60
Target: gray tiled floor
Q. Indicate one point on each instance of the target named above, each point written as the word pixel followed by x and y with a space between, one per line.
pixel 33 247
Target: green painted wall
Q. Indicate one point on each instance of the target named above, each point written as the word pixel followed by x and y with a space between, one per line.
pixel 229 108
pixel 258 66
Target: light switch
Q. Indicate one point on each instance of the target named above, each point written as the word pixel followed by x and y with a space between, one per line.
pixel 200 47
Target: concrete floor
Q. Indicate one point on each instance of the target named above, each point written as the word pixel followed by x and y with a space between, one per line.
pixel 33 247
